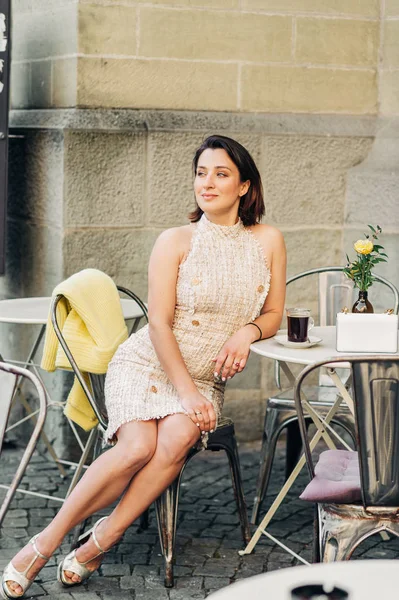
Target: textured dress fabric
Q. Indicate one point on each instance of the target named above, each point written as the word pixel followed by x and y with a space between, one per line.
pixel 222 285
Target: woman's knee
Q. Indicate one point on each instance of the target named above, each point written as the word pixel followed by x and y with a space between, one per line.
pixel 136 445
pixel 132 457
pixel 175 439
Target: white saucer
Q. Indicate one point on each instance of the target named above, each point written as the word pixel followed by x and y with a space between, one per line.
pixel 281 338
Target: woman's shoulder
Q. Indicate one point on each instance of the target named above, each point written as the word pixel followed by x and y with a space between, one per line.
pixel 178 238
pixel 176 234
pixel 268 234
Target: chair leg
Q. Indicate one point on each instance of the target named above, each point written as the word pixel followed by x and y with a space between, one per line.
pixel 275 421
pixel 93 443
pixel 342 532
pixel 230 447
pixel 166 509
pixel 144 520
pixel 316 536
pixel 20 472
pixel 294 447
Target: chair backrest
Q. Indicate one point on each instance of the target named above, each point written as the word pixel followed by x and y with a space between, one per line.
pixel 96 395
pixel 376 399
pixel 376 391
pixel 336 291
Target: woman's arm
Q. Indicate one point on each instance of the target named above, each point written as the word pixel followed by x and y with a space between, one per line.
pixel 169 250
pixel 236 350
pixel 273 309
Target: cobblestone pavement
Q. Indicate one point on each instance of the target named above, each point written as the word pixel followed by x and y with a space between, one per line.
pixel 208 534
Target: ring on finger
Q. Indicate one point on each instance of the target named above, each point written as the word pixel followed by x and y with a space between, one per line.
pixel 198 412
pixel 236 364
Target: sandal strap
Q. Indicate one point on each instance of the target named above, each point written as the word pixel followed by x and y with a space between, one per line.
pixel 93 534
pixel 20 577
pixel 39 554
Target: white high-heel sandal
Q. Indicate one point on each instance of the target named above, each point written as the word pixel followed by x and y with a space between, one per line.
pixel 11 574
pixel 71 563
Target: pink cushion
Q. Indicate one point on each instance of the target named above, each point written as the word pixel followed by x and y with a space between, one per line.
pixel 337 478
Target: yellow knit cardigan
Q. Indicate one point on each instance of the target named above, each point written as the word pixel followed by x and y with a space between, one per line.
pixel 91 320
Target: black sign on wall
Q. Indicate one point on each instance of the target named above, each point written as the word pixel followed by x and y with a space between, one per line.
pixel 5 58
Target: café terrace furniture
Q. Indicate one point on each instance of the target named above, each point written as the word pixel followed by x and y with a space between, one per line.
pixel 341 527
pixel 324 351
pixel 362 579
pixel 10 377
pixel 334 292
pixel 223 438
pixel 35 311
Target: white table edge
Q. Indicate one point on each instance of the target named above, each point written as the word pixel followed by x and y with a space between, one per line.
pixel 342 574
pixel 47 299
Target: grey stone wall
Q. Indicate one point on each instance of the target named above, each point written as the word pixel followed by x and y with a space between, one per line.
pixel 34 263
pixel 373 197
pixel 34 225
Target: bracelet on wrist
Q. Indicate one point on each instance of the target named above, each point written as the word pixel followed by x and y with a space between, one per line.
pixel 258 328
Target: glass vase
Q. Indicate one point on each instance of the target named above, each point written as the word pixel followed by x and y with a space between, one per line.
pixel 362 304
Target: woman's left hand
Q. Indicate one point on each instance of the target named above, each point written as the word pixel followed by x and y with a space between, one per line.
pixel 233 357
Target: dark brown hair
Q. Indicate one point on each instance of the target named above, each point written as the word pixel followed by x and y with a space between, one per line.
pixel 252 206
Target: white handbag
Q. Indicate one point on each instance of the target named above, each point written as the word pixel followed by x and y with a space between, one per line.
pixel 371 333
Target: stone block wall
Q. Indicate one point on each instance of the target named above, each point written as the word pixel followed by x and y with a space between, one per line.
pixel 256 55
pixel 389 67
pixel 113 97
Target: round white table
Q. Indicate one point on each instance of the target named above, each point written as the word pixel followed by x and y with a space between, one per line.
pixel 303 356
pixel 34 311
pixel 362 579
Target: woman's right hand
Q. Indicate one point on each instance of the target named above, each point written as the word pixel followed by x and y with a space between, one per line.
pixel 200 411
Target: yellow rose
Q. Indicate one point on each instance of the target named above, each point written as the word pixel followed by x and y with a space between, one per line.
pixel 363 246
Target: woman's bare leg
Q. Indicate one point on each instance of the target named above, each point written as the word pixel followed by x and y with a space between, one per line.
pixel 176 435
pixel 103 482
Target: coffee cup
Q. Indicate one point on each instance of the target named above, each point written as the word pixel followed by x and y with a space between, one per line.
pixel 299 323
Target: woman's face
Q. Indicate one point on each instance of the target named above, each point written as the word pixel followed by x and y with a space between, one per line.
pixel 217 184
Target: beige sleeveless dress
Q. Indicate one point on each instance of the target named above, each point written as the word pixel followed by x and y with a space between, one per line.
pixel 221 285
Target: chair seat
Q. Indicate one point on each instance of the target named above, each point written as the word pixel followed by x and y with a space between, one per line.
pixel 337 478
pixel 319 396
pixel 225 425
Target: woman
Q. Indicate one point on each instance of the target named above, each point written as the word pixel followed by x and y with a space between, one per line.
pixel 215 286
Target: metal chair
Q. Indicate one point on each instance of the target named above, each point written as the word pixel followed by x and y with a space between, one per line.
pixel 334 292
pixel 96 395
pixel 10 376
pixel 340 528
pixel 223 438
